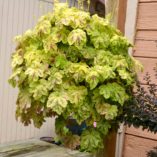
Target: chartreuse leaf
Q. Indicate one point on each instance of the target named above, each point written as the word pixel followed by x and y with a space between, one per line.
pixel 103 58
pixel 119 61
pixel 59 34
pixel 36 71
pixel 77 94
pixel 105 72
pixel 125 75
pixel 91 140
pixel 61 61
pixel 13 78
pixel 83 112
pixel 100 40
pixel 24 99
pixel 60 126
pixel 17 60
pixel 89 52
pixel 109 111
pixel 57 101
pixel 39 90
pixel 74 18
pixel 55 79
pixel 99 74
pixel 103 126
pixel 93 79
pixel 137 66
pixel 114 92
pixel 119 45
pixel 78 71
pixel 77 38
pixel 43 28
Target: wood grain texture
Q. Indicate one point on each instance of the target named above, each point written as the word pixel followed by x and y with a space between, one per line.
pixel 141 133
pixel 146 44
pixel 146 35
pixel 149 64
pixel 145 48
pixel 147 18
pixel 122 15
pixel 147 0
pixel 137 147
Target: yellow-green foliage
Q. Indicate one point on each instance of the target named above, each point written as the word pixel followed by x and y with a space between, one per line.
pixel 73 65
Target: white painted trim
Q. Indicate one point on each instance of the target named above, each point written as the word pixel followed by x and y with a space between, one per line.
pixel 131 17
pixel 130 29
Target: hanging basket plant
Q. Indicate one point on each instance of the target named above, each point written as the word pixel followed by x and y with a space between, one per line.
pixel 73 65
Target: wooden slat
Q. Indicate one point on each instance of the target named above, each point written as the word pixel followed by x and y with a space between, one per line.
pixel 122 15
pixel 137 147
pixel 141 133
pixel 146 35
pixel 147 17
pixel 146 44
pixel 147 0
pixel 149 64
pixel 145 48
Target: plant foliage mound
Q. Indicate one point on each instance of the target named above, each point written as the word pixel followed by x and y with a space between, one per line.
pixel 142 110
pixel 73 65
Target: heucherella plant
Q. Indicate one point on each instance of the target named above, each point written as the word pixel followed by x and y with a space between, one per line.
pixel 73 65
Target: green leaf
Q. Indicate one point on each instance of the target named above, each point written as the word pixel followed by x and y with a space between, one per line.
pixel 17 60
pixel 77 38
pixel 60 126
pixel 43 28
pixel 88 52
pixel 77 94
pixel 125 75
pixel 61 62
pixel 83 112
pixel 119 45
pixel 13 78
pixel 114 91
pixel 91 140
pixel 103 126
pixel 93 79
pixel 78 71
pixel 57 101
pixel 109 111
pixel 24 99
pixel 105 72
pixel 39 90
pixel 54 80
pixel 103 58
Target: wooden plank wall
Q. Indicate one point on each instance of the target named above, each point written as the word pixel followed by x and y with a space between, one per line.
pixel 16 16
pixel 137 142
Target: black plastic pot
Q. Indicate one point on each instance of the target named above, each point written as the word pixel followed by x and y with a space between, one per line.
pixel 75 128
pixel 50 140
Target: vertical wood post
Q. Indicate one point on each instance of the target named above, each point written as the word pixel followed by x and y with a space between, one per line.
pixel 122 15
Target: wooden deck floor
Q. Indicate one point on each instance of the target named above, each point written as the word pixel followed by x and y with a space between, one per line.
pixel 37 148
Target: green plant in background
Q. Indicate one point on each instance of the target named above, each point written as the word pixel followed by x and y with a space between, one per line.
pixel 73 65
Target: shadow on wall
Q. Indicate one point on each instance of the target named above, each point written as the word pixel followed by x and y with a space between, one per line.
pixel 152 153
pixel 98 7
